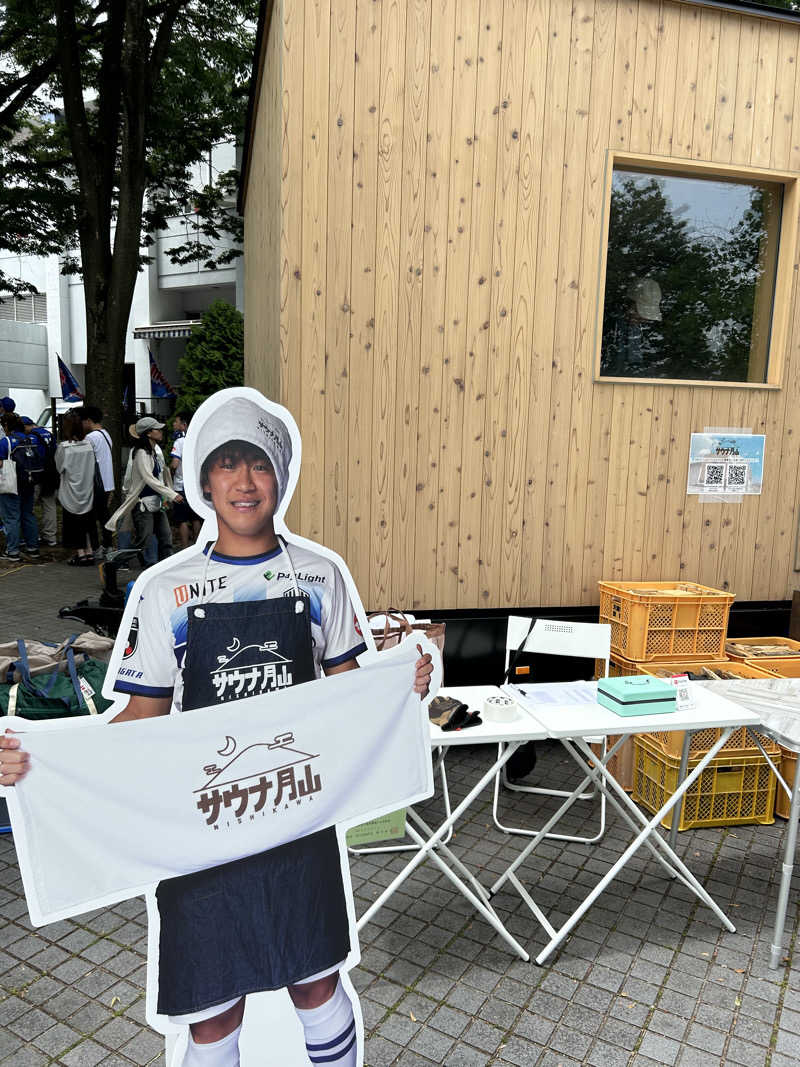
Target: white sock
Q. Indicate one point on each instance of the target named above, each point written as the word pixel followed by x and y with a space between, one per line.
pixel 330 1031
pixel 222 1053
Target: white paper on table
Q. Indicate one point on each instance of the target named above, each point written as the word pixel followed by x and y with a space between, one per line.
pixel 534 693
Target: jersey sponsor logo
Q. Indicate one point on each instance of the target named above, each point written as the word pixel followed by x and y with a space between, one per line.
pixel 192 590
pixel 262 779
pixel 133 638
pixel 250 670
pixel 127 672
pixel 284 576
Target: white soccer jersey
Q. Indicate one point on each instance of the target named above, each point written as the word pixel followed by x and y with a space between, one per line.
pixel 153 660
pixel 177 474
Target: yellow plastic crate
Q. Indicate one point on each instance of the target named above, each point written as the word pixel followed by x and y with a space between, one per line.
pixel 734 790
pixel 792 647
pixel 788 769
pixel 665 620
pixel 621 763
pixel 742 670
pixel 778 666
pixel 618 666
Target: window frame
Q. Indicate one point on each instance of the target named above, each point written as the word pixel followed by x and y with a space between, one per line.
pixel 784 274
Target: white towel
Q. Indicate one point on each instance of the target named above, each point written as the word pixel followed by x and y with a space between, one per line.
pixel 104 813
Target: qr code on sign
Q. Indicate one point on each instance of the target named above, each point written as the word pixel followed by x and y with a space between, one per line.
pixel 715 473
pixel 737 475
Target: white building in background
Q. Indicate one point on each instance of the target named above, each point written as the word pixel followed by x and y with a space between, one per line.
pixel 168 299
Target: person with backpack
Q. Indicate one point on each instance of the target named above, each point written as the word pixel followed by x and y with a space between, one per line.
pixel 100 441
pixel 75 463
pixel 47 488
pixel 27 454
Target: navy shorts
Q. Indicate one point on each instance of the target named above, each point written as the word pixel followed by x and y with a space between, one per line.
pixel 259 923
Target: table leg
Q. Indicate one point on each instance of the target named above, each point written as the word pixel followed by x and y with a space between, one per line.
pixel 538 836
pixel 534 841
pixel 477 901
pixel 426 848
pixel 635 823
pixel 649 828
pixel 684 767
pixel 451 856
pixel 786 876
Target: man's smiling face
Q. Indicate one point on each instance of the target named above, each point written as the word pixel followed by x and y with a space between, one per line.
pixel 243 488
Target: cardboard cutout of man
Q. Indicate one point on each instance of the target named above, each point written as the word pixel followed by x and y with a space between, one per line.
pixel 249 593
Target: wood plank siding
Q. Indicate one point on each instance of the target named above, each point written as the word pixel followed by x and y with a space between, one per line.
pixel 424 227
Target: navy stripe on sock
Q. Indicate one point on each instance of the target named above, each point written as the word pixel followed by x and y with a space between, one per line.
pixel 330 1044
pixel 336 1055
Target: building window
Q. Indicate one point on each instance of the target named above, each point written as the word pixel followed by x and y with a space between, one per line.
pixel 695 274
pixel 29 308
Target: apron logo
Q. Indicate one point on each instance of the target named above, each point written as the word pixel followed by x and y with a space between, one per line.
pixel 133 638
pixel 250 670
pixel 263 778
pixel 192 590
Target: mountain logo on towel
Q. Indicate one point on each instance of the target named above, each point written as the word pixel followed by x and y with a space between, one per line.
pixel 250 670
pixel 262 779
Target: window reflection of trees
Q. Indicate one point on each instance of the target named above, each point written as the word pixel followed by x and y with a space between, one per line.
pixel 716 285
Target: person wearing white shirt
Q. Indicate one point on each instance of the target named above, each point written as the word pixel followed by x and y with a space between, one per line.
pixel 278 919
pixel 182 514
pixel 75 465
pixel 99 439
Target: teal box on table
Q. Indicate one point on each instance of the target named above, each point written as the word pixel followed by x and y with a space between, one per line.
pixel 636 695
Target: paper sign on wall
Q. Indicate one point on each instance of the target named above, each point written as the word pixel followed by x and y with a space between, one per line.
pixel 725 464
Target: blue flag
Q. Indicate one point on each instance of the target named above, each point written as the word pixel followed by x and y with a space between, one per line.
pixel 159 386
pixel 70 390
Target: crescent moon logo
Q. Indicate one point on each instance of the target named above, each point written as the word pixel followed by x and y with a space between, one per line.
pixel 229 747
pixel 235 646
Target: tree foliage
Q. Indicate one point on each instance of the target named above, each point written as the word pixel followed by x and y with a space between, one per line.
pixel 214 357
pixel 706 326
pixel 106 106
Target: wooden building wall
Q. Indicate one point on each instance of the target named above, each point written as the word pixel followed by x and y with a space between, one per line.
pixel 435 238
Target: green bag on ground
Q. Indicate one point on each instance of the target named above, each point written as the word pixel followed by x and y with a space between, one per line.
pixel 71 689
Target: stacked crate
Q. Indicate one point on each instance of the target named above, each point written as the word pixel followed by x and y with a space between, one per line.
pixel 665 628
pixel 778 657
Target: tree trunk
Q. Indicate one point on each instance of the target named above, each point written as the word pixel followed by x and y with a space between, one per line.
pixel 105 358
pixel 107 306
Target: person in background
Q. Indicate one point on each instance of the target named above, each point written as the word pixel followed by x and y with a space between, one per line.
pixel 75 464
pixel 47 488
pixel 99 439
pixel 8 406
pixel 150 485
pixel 9 498
pixel 26 452
pixel 182 514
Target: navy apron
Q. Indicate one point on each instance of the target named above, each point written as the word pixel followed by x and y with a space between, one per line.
pixel 268 920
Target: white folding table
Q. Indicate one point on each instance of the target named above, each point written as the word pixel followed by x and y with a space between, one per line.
pixel 570 724
pixel 508 736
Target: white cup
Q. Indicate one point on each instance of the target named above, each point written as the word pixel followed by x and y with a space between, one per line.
pixel 500 708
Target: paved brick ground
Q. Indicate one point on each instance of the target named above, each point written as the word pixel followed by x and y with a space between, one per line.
pixel 647 978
